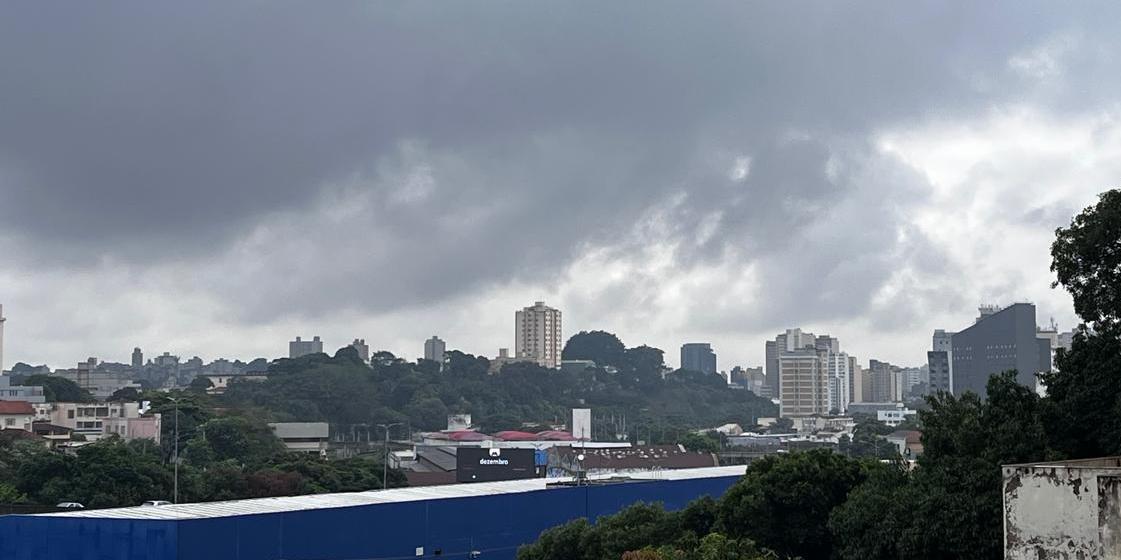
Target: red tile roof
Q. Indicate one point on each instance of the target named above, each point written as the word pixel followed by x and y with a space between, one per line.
pixel 16 407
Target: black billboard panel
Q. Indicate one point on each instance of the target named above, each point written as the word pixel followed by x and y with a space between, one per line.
pixel 480 464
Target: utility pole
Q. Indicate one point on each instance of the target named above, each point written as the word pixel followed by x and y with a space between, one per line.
pixel 175 496
pixel 385 464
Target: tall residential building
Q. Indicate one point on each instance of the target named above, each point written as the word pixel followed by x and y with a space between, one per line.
pixel 804 384
pixel 839 373
pixel 137 358
pixel 2 319
pixel 939 362
pixel 1000 340
pixel 886 382
pixel 698 356
pixel 856 381
pixel 434 350
pixel 362 348
pixel 537 335
pixel 301 347
pixel 770 365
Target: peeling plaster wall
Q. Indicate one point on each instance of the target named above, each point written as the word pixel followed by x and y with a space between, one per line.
pixel 1062 512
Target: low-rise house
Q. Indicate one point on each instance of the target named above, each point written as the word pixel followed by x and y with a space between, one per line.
pixel 894 417
pixel 16 415
pixel 908 442
pixel 91 419
pixel 303 437
pixel 128 429
pixel 54 435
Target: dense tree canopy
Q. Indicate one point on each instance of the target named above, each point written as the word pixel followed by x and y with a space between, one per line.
pixel 59 389
pixel 345 391
pixel 601 347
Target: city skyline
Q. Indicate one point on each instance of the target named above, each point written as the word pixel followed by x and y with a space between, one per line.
pixel 659 183
pixel 330 348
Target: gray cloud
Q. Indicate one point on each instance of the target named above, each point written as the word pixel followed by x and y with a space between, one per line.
pixel 379 157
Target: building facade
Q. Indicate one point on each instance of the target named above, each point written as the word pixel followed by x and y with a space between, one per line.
pixel 839 372
pixel 97 420
pixel 886 382
pixel 137 358
pixel 31 394
pixel 698 356
pixel 537 335
pixel 100 382
pixel 359 345
pixel 435 350
pixel 301 347
pixel 16 415
pixel 1001 340
pixel 804 384
pixel 939 362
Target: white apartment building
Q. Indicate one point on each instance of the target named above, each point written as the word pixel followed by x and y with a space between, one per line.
pixel 839 372
pixel 537 335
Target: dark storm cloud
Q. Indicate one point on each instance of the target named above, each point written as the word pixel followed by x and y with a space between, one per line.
pixel 203 133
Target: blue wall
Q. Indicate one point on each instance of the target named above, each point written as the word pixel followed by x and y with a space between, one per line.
pixel 494 525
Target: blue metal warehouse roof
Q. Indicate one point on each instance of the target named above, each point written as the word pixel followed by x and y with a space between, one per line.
pixel 350 499
pixel 449 522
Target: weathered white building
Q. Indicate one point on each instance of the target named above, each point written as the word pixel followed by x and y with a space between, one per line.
pixel 1063 510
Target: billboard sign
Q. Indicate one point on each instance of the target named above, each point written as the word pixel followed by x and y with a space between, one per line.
pixel 481 464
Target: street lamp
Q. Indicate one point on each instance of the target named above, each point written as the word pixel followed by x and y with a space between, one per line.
pixel 385 464
pixel 175 497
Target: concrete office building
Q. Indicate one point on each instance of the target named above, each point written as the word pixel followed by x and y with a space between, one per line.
pixel 939 362
pixel 100 382
pixel 804 384
pixel 30 393
pixel 362 348
pixel 137 358
pixel 1000 340
pixel 435 350
pixel 698 356
pixel 301 347
pixel 537 335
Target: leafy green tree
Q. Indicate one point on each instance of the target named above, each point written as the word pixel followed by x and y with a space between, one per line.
pixel 108 473
pixel 1086 260
pixel 200 384
pixel 601 347
pixel 247 441
pixel 784 501
pixel 1083 407
pixel 126 394
pixel 707 442
pixel 59 389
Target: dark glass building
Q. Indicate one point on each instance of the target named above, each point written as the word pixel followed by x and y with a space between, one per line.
pixel 698 356
pixel 1000 340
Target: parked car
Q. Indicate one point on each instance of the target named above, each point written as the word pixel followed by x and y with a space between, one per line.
pixel 155 503
pixel 70 505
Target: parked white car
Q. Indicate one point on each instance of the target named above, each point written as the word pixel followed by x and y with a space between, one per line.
pixel 70 505
pixel 155 503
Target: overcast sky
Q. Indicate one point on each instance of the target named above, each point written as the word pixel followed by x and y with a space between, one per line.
pixel 215 179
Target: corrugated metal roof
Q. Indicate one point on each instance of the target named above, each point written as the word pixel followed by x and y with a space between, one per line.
pixel 350 499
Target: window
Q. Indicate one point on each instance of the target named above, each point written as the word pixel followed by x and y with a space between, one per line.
pixel 70 414
pixel 9 421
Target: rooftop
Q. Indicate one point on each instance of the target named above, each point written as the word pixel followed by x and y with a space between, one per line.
pixel 16 407
pixel 372 497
